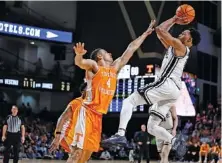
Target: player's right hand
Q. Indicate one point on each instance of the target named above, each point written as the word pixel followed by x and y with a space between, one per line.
pixel 79 49
pixel 180 21
pixel 3 138
pixel 174 132
pixel 55 144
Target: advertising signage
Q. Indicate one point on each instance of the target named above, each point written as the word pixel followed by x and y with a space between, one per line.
pixel 35 32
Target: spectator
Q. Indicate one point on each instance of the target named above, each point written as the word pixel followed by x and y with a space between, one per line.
pixel 132 144
pixel 2 65
pixel 131 156
pixel 195 139
pixel 212 113
pixel 187 127
pixel 59 154
pixel 57 69
pixel 217 111
pixel 195 133
pixel 198 118
pixel 38 68
pixel 28 109
pixel 23 109
pixel 193 153
pixel 214 153
pixel 122 153
pixel 105 155
pixel 203 115
pixel 42 149
pixel 217 134
pixel 210 123
pixel 210 106
pixel 220 156
pixel 204 135
pixel 204 150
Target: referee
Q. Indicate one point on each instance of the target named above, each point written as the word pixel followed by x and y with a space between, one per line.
pixel 13 129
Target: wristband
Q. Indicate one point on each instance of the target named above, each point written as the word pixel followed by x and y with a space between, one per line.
pixel 58 133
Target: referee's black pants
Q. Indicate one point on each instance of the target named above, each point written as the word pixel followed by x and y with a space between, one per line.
pixel 144 152
pixel 12 139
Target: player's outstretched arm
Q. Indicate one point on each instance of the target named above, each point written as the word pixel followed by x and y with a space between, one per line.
pixel 66 115
pixel 166 25
pixel 132 47
pixel 86 64
pixel 166 38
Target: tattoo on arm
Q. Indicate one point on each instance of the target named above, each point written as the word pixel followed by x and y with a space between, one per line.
pixel 66 115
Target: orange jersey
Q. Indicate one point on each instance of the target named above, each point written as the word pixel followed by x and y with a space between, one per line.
pixel 220 152
pixel 204 148
pixel 101 89
pixel 215 149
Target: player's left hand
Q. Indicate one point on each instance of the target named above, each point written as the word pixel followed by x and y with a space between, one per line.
pixel 150 29
pixel 174 132
pixel 55 144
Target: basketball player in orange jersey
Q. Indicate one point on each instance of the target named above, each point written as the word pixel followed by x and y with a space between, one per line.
pixel 101 77
pixel 65 124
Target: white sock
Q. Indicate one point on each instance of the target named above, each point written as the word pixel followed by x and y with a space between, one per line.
pixel 121 132
pixel 157 131
pixel 129 103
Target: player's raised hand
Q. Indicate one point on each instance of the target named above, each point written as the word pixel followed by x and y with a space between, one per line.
pixel 150 29
pixel 180 20
pixel 79 49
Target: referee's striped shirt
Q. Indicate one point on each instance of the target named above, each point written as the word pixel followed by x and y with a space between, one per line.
pixel 13 123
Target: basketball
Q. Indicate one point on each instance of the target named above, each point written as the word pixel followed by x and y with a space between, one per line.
pixel 186 12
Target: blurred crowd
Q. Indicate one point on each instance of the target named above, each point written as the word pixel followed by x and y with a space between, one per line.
pixel 203 136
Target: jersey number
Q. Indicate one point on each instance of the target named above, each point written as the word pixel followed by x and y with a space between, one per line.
pixel 108 83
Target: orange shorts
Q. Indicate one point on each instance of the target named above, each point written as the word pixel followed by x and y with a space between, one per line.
pixel 83 130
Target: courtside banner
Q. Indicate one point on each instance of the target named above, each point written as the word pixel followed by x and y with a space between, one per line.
pixel 35 32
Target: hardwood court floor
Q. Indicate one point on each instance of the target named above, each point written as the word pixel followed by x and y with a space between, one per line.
pixel 91 161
